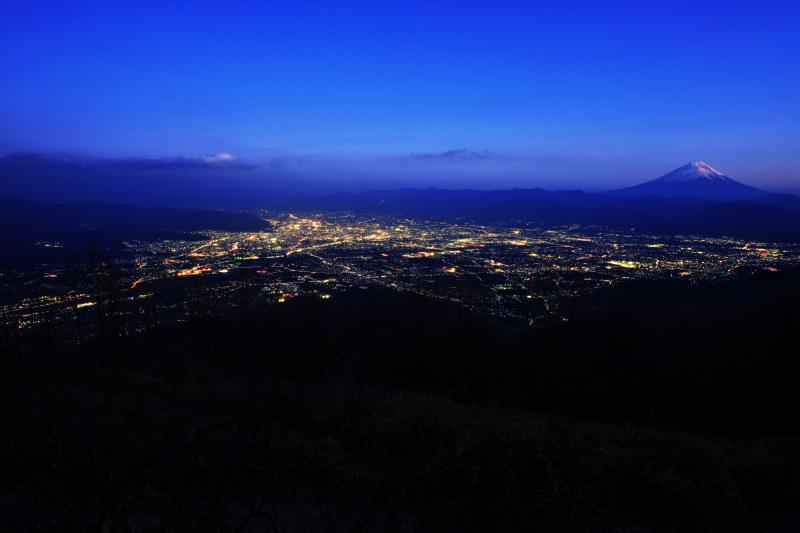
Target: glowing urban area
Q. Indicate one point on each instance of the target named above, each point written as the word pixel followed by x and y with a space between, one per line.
pixel 527 273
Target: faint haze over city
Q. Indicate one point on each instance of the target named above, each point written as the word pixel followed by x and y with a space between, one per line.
pixel 342 96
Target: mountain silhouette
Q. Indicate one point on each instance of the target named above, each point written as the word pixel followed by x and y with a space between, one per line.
pixel 694 180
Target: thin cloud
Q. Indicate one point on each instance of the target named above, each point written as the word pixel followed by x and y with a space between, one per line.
pixel 223 157
pixel 144 164
pixel 460 154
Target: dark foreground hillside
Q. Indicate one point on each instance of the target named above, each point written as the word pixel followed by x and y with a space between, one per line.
pixel 378 411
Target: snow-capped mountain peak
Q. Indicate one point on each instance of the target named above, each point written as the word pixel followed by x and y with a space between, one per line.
pixel 696 170
pixel 695 180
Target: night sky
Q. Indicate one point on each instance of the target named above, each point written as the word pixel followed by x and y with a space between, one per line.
pixel 561 94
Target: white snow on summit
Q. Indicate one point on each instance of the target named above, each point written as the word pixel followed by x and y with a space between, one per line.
pixel 697 170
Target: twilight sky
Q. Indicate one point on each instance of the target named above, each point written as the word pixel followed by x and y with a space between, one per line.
pixel 563 94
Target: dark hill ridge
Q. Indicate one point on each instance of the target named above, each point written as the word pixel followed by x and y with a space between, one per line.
pixel 696 198
pixel 769 218
pixel 22 224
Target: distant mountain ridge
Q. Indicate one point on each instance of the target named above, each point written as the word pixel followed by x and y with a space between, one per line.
pixel 694 199
pixel 697 179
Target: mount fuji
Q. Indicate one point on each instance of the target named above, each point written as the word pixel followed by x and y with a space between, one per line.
pixel 694 180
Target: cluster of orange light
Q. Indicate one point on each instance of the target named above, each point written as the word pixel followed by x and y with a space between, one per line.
pixel 417 255
pixel 285 296
pixel 195 271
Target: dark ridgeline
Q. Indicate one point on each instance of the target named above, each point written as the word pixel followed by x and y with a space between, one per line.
pixel 768 217
pixel 693 199
pixel 658 406
pixel 86 226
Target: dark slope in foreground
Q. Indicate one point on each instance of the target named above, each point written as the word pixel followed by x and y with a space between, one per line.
pixel 79 226
pixel 383 411
pixel 136 452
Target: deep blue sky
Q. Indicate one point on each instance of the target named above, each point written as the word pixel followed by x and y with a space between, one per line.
pixel 561 94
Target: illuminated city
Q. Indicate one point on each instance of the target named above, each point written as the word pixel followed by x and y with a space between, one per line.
pixel 526 273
